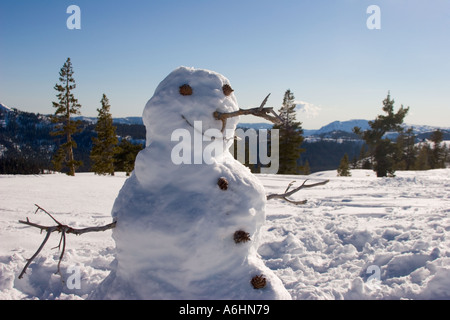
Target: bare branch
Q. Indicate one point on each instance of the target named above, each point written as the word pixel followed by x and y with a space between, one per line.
pixel 63 241
pixel 263 113
pixel 288 193
pixel 264 102
pixel 266 113
pixel 47 236
pixel 31 224
pixel 92 229
pixel 289 186
pixel 42 209
pixel 63 229
pixel 296 202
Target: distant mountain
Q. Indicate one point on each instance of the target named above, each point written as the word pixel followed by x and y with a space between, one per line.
pixel 26 143
pixel 27 146
pixel 256 126
pixel 4 108
pixel 129 120
pixel 335 126
pixel 345 126
pixel 334 129
pixel 125 120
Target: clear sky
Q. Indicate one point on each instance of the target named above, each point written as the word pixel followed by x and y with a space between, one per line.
pixel 322 50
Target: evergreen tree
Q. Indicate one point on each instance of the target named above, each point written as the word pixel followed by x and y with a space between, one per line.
pixel 446 156
pixel 406 150
pixel 382 148
pixel 384 156
pixel 364 159
pixel 343 170
pixel 437 156
pixel 354 162
pixel 306 169
pixel 422 160
pixel 291 138
pixel 64 125
pixel 126 155
pixel 105 144
pixel 366 164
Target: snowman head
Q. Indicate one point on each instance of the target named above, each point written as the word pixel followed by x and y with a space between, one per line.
pixel 187 99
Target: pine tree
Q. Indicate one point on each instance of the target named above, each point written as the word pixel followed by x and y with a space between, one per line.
pixel 126 155
pixel 446 156
pixel 407 150
pixel 364 159
pixel 306 169
pixel 422 160
pixel 291 138
pixel 437 156
pixel 64 125
pixel 105 144
pixel 382 148
pixel 343 170
pixel 354 163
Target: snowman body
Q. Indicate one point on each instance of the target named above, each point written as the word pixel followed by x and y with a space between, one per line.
pixel 189 229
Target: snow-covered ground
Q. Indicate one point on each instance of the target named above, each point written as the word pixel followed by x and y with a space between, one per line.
pixel 358 237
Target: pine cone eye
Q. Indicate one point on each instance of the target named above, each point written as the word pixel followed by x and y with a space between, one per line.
pixel 227 90
pixel 241 236
pixel 258 282
pixel 223 183
pixel 186 90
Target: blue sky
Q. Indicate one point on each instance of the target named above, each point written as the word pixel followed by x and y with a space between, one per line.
pixel 322 50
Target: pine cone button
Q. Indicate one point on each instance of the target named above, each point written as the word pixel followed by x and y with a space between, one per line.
pixel 258 282
pixel 241 236
pixel 223 183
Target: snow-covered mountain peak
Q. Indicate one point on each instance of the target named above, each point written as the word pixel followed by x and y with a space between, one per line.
pixel 4 107
pixel 346 126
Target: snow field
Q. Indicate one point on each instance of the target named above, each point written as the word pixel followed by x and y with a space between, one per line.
pixel 362 237
pixel 83 201
pixel 358 237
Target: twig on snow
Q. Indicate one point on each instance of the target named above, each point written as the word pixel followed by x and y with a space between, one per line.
pixel 288 193
pixel 63 229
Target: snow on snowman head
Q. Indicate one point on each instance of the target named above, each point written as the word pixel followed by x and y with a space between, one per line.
pixel 187 100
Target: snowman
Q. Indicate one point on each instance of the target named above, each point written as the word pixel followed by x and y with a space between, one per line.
pixel 188 222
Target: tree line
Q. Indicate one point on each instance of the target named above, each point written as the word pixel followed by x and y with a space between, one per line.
pixel 107 154
pixel 105 149
pixel 386 148
pixel 290 133
pixel 386 155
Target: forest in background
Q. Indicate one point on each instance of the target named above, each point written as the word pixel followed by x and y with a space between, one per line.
pixel 26 146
